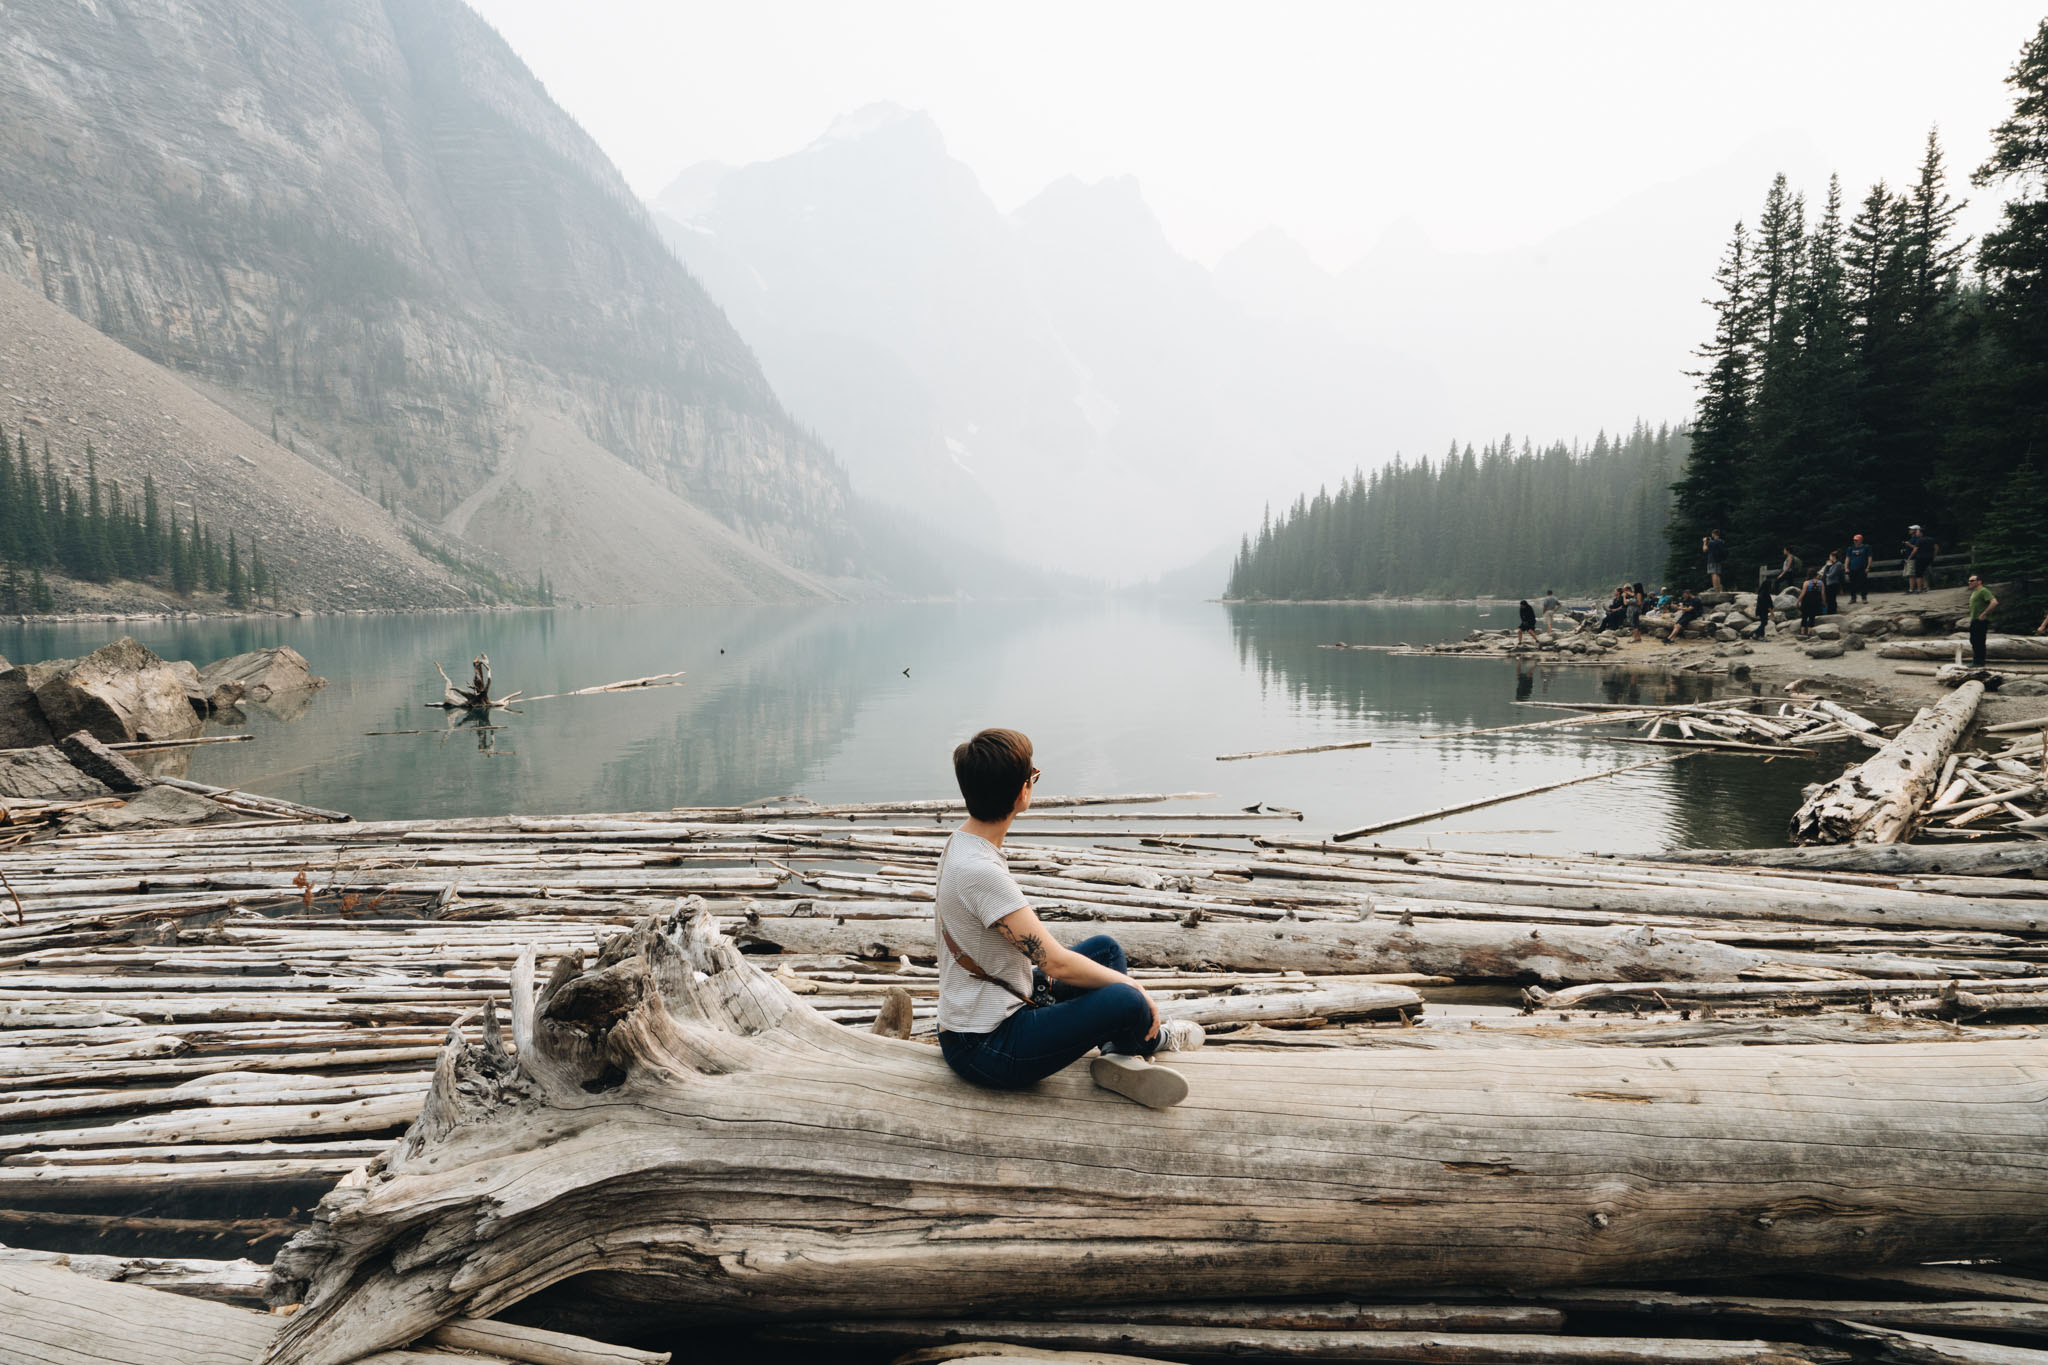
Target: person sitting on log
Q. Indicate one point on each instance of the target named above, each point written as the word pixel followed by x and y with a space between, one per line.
pixel 1689 610
pixel 1014 1005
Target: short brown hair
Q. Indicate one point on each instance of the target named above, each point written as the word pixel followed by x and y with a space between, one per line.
pixel 991 769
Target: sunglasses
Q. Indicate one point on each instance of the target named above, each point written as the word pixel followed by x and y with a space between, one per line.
pixel 1033 779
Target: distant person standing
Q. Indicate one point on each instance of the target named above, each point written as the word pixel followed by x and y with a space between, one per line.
pixel 1831 575
pixel 1633 604
pixel 1982 604
pixel 1920 551
pixel 1551 607
pixel 1528 626
pixel 1858 565
pixel 1813 600
pixel 1763 608
pixel 1717 554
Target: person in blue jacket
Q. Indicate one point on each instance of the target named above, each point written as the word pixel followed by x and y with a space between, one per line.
pixel 1858 564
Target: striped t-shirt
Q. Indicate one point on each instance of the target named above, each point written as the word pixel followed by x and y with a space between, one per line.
pixel 975 890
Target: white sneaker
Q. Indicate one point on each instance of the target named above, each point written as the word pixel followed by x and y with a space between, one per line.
pixel 1179 1035
pixel 1155 1087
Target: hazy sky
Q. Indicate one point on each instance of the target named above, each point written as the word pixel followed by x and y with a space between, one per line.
pixel 1486 123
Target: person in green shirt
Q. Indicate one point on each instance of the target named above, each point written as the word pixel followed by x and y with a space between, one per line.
pixel 1982 604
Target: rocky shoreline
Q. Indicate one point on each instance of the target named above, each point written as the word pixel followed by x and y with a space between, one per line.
pixel 1845 653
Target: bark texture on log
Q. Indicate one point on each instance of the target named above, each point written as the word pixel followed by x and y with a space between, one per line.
pixel 1875 802
pixel 1502 950
pixel 2016 647
pixel 1989 860
pixel 687 1140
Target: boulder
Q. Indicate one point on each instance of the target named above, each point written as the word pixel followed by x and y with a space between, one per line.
pixel 119 692
pixel 21 719
pixel 1856 641
pixel 2025 687
pixel 1827 630
pixel 96 760
pixel 152 809
pixel 265 673
pixel 1727 636
pixel 1870 625
pixel 1908 625
pixel 1786 601
pixel 44 773
pixel 1826 649
pixel 1716 599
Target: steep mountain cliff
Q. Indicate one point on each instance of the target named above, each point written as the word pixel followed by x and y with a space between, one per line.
pixel 366 216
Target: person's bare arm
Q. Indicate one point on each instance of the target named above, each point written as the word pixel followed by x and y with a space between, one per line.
pixel 1022 930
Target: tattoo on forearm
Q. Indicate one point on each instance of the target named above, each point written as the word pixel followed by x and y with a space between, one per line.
pixel 1028 944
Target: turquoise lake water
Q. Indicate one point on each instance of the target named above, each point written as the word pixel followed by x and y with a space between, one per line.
pixel 1117 696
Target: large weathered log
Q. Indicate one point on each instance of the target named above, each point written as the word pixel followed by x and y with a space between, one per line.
pixel 1469 950
pixel 1985 860
pixel 1875 802
pixel 2016 647
pixel 686 1140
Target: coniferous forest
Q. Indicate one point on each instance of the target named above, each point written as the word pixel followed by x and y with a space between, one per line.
pixel 97 535
pixel 1870 368
pixel 1500 521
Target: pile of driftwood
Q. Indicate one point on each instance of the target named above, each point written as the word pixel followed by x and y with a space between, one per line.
pixel 1444 1092
pixel 2004 792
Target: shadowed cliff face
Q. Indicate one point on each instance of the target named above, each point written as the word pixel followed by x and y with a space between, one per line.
pixel 371 215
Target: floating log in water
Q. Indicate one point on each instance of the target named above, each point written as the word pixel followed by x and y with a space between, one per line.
pixel 1441 811
pixel 686 1140
pixel 1304 749
pixel 258 805
pixel 627 685
pixel 143 745
pixel 1876 801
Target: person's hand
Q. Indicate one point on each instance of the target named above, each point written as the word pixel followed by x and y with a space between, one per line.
pixel 1152 1005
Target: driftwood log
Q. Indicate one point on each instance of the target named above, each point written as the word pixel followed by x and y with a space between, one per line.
pixel 1478 950
pixel 1989 860
pixel 2014 647
pixel 684 1139
pixel 1875 802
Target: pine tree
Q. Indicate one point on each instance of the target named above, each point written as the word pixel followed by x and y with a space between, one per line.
pixel 40 598
pixel 238 591
pixel 94 556
pixel 2014 259
pixel 212 566
pixel 2011 547
pixel 151 550
pixel 14 598
pixel 179 552
pixel 11 546
pixel 1717 473
pixel 259 575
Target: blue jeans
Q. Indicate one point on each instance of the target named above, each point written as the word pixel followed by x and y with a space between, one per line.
pixel 1033 1043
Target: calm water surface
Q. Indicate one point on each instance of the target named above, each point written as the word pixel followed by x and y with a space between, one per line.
pixel 1118 697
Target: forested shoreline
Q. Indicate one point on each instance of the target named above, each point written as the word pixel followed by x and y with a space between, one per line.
pixel 1501 520
pixel 1870 368
pixel 96 536
pixel 1861 378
